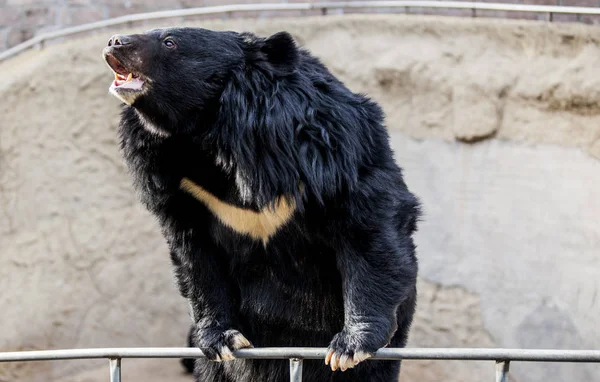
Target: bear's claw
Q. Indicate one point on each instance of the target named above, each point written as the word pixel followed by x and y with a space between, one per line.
pixel 219 346
pixel 345 352
pixel 345 361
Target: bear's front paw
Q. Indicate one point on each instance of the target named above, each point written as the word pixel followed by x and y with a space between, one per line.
pixel 219 345
pixel 347 350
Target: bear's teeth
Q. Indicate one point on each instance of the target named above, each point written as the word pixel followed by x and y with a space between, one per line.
pixel 129 77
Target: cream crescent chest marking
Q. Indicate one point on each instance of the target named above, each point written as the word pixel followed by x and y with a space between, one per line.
pixel 260 225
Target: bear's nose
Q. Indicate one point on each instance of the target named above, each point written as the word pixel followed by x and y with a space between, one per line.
pixel 119 40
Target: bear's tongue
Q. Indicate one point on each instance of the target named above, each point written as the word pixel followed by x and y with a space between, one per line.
pixel 129 82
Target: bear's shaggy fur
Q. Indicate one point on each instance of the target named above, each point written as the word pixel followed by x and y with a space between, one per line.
pixel 288 221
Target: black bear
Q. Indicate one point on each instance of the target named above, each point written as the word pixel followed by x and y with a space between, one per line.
pixel 287 218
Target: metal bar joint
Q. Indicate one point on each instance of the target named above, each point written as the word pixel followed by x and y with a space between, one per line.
pixel 295 370
pixel 502 367
pixel 115 369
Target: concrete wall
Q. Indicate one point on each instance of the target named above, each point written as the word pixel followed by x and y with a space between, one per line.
pixel 497 124
pixel 20 20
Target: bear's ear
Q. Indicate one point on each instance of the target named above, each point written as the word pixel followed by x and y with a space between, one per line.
pixel 281 52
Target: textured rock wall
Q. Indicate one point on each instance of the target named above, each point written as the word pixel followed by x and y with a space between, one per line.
pixel 508 246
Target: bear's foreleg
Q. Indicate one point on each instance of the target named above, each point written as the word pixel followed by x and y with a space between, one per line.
pixel 201 281
pixel 378 271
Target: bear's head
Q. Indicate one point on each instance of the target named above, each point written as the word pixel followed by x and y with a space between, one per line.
pixel 172 76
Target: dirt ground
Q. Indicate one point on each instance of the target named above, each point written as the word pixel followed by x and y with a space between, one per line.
pixel 83 265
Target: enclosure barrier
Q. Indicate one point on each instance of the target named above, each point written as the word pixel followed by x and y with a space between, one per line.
pixel 324 7
pixel 502 357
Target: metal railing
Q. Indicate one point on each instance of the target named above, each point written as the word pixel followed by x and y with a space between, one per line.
pixel 324 7
pixel 501 357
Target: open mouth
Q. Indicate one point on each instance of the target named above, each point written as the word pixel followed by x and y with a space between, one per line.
pixel 124 79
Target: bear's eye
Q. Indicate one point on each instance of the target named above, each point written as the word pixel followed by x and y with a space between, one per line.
pixel 169 43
